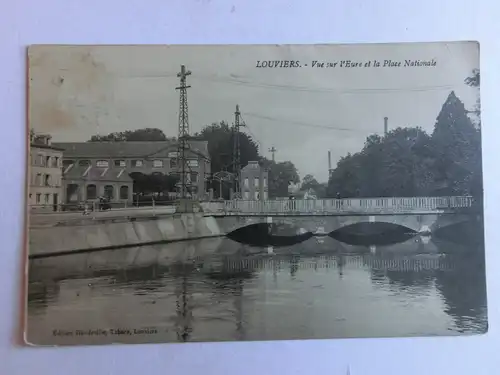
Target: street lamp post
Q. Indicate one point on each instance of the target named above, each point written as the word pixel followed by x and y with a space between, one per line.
pixel 223 176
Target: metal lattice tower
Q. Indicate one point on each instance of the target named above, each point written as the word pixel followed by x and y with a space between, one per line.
pixel 236 162
pixel 183 144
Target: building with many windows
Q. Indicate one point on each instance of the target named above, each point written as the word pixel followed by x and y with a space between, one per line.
pixel 45 174
pixel 93 169
pixel 254 181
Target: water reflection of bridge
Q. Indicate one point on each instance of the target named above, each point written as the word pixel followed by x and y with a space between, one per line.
pixel 457 275
pixel 400 263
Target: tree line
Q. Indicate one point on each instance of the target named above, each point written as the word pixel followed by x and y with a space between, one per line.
pixel 410 162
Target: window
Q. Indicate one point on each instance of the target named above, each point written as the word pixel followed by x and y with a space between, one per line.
pixel 55 163
pixel 256 195
pixel 265 182
pixel 102 163
pixel 108 191
pixel 124 192
pixel 256 182
pixel 47 180
pixel 173 154
pixel 137 163
pixel 246 195
pixel 157 163
pixel 265 195
pixel 193 163
pixel 67 162
pixel 48 161
pixel 91 192
pixel 120 163
pixel 41 160
pixel 38 196
pixel 173 163
pixel 47 197
pixel 84 163
pixel 38 179
pixel 246 182
pixel 194 178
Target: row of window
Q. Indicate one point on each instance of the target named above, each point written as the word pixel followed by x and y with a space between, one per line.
pixel 255 182
pixel 45 198
pixel 40 179
pixel 157 163
pixel 246 195
pixel 41 160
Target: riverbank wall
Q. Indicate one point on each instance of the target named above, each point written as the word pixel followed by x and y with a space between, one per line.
pixel 93 234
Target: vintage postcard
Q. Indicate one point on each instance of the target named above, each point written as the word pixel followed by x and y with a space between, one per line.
pixel 257 192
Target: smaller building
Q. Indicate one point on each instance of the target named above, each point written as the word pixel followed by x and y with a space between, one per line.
pixel 254 181
pixel 45 174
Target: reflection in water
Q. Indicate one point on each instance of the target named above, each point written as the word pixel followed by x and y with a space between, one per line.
pixel 220 290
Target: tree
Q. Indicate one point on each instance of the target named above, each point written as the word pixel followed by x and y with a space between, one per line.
pixel 458 142
pixel 474 80
pixel 394 165
pixel 146 134
pixel 309 182
pixel 220 138
pixel 477 180
pixel 281 175
pixel 220 146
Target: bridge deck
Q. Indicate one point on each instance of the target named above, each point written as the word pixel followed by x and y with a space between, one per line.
pixel 279 208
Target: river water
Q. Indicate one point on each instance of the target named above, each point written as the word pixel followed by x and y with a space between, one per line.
pixel 206 291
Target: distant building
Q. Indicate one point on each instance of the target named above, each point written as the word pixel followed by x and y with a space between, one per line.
pixel 93 169
pixel 254 181
pixel 45 174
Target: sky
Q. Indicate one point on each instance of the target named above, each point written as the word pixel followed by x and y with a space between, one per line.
pixel 303 112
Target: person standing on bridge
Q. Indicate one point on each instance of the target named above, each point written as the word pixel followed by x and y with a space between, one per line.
pixel 338 203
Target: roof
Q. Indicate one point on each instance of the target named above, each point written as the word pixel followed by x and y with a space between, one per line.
pixel 127 149
pixel 97 174
pixel 44 146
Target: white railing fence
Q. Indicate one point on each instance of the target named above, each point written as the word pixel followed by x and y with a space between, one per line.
pixel 353 205
pixel 95 206
pixel 290 207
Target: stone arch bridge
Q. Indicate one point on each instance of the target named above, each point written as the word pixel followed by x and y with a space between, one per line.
pixel 421 214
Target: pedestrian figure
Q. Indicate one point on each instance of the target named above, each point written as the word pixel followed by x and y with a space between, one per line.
pixel 86 209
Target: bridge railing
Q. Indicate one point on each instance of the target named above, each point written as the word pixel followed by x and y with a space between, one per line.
pixel 347 205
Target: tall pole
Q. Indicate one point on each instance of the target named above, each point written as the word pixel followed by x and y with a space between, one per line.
pixel 330 170
pixel 236 162
pixel 272 150
pixel 183 144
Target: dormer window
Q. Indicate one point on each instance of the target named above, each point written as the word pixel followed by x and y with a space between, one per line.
pixel 120 163
pixel 102 164
pixel 157 163
pixel 84 163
